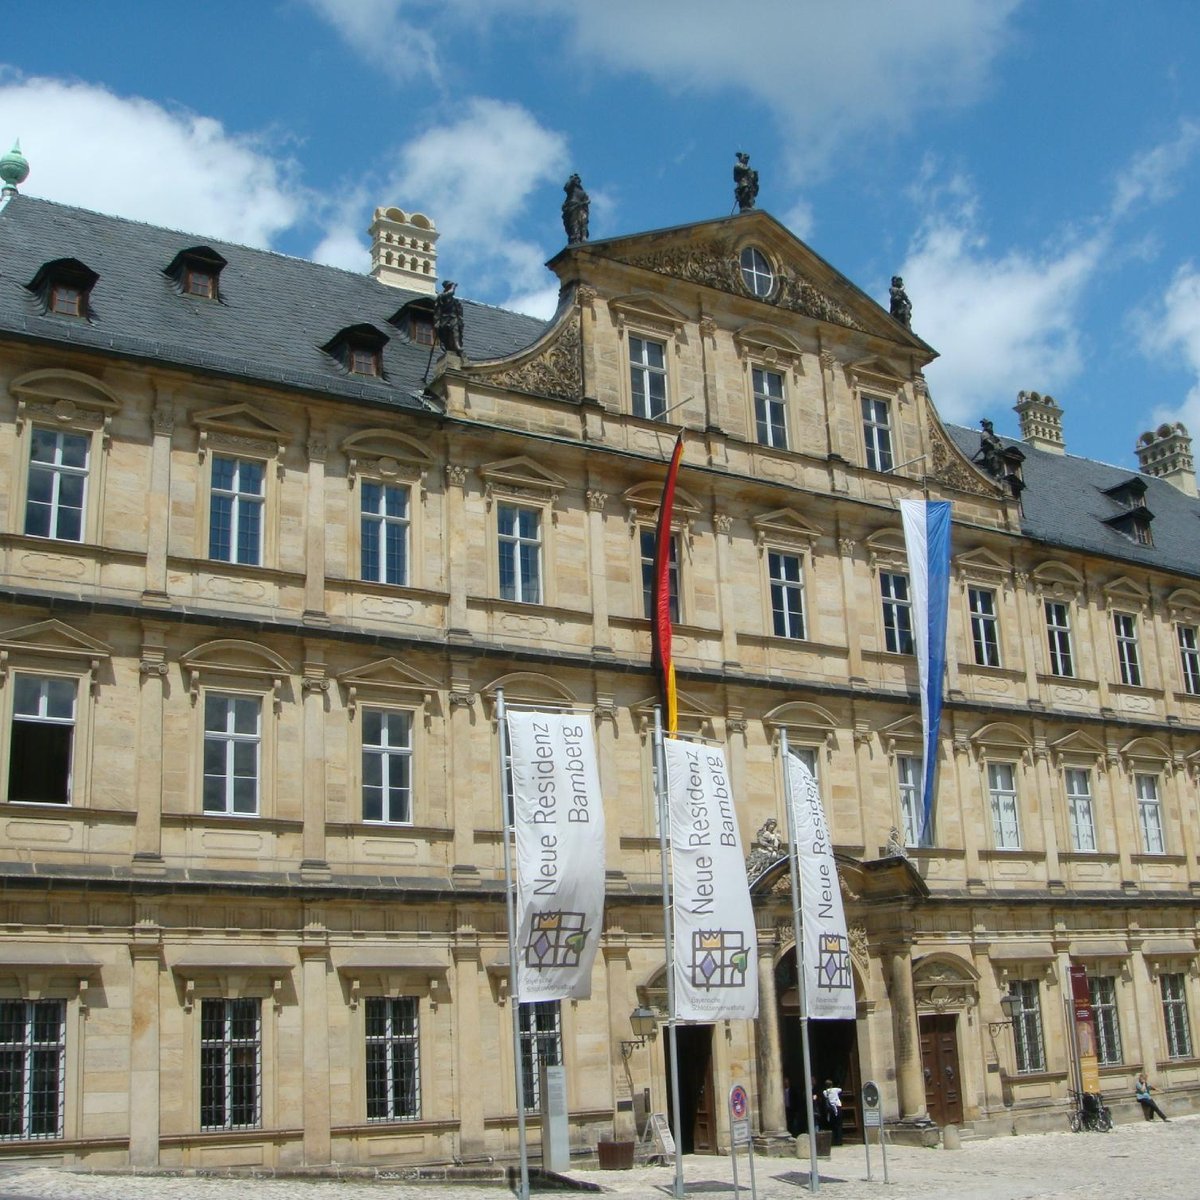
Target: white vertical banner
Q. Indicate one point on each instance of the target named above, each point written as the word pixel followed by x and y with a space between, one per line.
pixel 558 813
pixel 716 949
pixel 828 980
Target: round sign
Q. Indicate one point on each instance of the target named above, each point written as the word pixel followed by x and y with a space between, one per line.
pixel 739 1102
pixel 870 1095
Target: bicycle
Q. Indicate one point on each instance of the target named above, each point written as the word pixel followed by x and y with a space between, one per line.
pixel 1090 1113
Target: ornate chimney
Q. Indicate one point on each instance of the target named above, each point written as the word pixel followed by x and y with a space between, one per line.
pixel 404 250
pixel 1166 453
pixel 1041 422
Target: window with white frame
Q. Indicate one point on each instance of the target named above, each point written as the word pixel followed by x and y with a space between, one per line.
pixel 877 433
pixel 1189 658
pixel 648 539
pixel 1058 635
pixel 386 766
pixel 984 628
pixel 1081 817
pixel 1027 1026
pixel 232 753
pixel 519 530
pixel 230 1064
pixel 908 779
pixel 56 491
pixel 1125 628
pixel 648 377
pixel 787 594
pixel 757 274
pixel 33 1047
pixel 42 739
pixel 897 612
pixel 770 408
pixel 393 1059
pixel 1103 992
pixel 541 1042
pixel 1002 792
pixel 384 529
pixel 1150 813
pixel 238 495
pixel 1173 987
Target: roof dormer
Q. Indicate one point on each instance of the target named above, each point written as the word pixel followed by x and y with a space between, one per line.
pixel 196 272
pixel 359 350
pixel 64 287
pixel 1134 519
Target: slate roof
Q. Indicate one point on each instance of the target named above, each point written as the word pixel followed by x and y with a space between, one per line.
pixel 274 313
pixel 1064 504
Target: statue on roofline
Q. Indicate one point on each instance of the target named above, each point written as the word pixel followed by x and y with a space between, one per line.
pixel 745 182
pixel 575 211
pixel 901 306
pixel 448 318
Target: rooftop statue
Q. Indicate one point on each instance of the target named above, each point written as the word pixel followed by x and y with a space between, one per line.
pixel 448 318
pixel 991 450
pixel 901 304
pixel 575 211
pixel 745 182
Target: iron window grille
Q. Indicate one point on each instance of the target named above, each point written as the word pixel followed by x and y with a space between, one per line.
pixel 1102 990
pixel 1027 1027
pixel 1173 987
pixel 33 1048
pixel 541 1043
pixel 230 1064
pixel 393 1059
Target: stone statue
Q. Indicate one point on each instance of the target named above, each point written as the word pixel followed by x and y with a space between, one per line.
pixel 767 849
pixel 901 304
pixel 575 211
pixel 745 182
pixel 991 451
pixel 448 318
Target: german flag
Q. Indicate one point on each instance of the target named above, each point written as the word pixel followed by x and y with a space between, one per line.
pixel 660 624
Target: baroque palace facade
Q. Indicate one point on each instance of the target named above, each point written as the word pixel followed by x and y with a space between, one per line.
pixel 261 584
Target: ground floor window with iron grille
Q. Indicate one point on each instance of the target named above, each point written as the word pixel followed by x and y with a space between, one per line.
pixel 230 1064
pixel 393 1059
pixel 1175 1014
pixel 1103 993
pixel 541 1042
pixel 32 1068
pixel 1027 1027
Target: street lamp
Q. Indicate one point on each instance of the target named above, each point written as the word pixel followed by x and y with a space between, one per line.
pixel 645 1026
pixel 1011 1006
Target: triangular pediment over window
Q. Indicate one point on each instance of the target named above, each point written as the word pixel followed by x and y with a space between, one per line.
pixel 239 421
pixel 521 476
pixel 981 563
pixel 388 677
pixel 695 717
pixel 906 734
pixel 1077 745
pixel 644 310
pixel 53 638
pixel 645 498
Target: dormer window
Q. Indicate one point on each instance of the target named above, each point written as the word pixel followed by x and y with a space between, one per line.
pixel 196 272
pixel 359 349
pixel 64 287
pixel 1134 521
pixel 415 321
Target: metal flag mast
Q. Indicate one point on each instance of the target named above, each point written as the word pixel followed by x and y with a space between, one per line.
pixel 814 1174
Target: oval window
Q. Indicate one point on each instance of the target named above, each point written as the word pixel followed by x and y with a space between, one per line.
pixel 756 272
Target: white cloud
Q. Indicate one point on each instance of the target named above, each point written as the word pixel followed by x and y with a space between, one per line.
pixel 405 50
pixel 125 155
pixel 1153 176
pixel 1174 330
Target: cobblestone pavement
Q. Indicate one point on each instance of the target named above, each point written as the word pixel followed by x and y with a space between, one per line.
pixel 1135 1159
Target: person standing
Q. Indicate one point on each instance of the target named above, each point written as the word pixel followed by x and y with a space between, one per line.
pixel 833 1106
pixel 1141 1092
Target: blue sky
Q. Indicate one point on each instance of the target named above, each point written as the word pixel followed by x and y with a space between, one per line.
pixel 1032 170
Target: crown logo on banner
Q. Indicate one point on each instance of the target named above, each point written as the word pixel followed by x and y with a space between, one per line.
pixel 556 939
pixel 719 958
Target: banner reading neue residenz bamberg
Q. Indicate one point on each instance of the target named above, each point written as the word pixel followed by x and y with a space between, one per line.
pixel 716 973
pixel 828 981
pixel 559 817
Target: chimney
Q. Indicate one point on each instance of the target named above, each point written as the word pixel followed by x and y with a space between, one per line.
pixel 1166 453
pixel 404 250
pixel 1041 422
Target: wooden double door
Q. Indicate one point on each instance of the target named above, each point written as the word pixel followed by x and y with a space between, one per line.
pixel 939 1057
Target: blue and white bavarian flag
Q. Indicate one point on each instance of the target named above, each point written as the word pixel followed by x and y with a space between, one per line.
pixel 927 540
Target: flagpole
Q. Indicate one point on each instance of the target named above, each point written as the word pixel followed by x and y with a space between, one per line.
pixel 814 1173
pixel 660 792
pixel 510 899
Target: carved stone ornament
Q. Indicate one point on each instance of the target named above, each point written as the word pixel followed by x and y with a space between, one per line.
pixel 462 699
pixel 949 467
pixel 456 476
pixel 164 419
pixel 859 950
pixel 556 370
pixel 716 265
pixel 722 522
pixel 596 501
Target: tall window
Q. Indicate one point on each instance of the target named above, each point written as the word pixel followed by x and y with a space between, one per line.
pixel 1150 813
pixel 770 410
pixel 1027 1026
pixel 230 1064
pixel 877 432
pixel 387 766
pixel 1189 658
pixel 41 740
pixel 393 1059
pixel 1125 627
pixel 897 613
pixel 520 532
pixel 232 742
pixel 236 513
pixel 385 523
pixel 1175 1014
pixel 541 1042
pixel 984 632
pixel 648 377
pixel 58 472
pixel 787 594
pixel 1103 992
pixel 908 777
pixel 647 545
pixel 33 1042
pixel 1058 634
pixel 1002 790
pixel 1080 816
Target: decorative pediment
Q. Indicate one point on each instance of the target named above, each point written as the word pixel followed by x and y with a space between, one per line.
pixel 1054 578
pixel 944 981
pixel 695 717
pixel 391 678
pixel 643 500
pixel 61 397
pixel 1126 593
pixel 1145 752
pixel 644 311
pixel 239 428
pixel 386 454
pixel 770 346
pixel 785 526
pixel 551 367
pixel 982 564
pixel 520 477
pixel 528 689
pixel 1076 746
pixel 1001 740
pixel 233 657
pixel 885 547
pixel 951 467
pixel 54 641
pixel 1184 605
pixel 905 734
pixel 877 374
pixel 805 724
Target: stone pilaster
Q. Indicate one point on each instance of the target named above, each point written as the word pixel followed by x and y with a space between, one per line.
pixel 314 539
pixel 144 1043
pixel 772 1118
pixel 152 675
pixel 315 688
pixel 906 1037
pixel 468 980
pixel 598 571
pixel 314 968
pixel 158 505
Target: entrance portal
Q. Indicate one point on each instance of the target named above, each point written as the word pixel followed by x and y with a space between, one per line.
pixel 698 1107
pixel 939 1056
